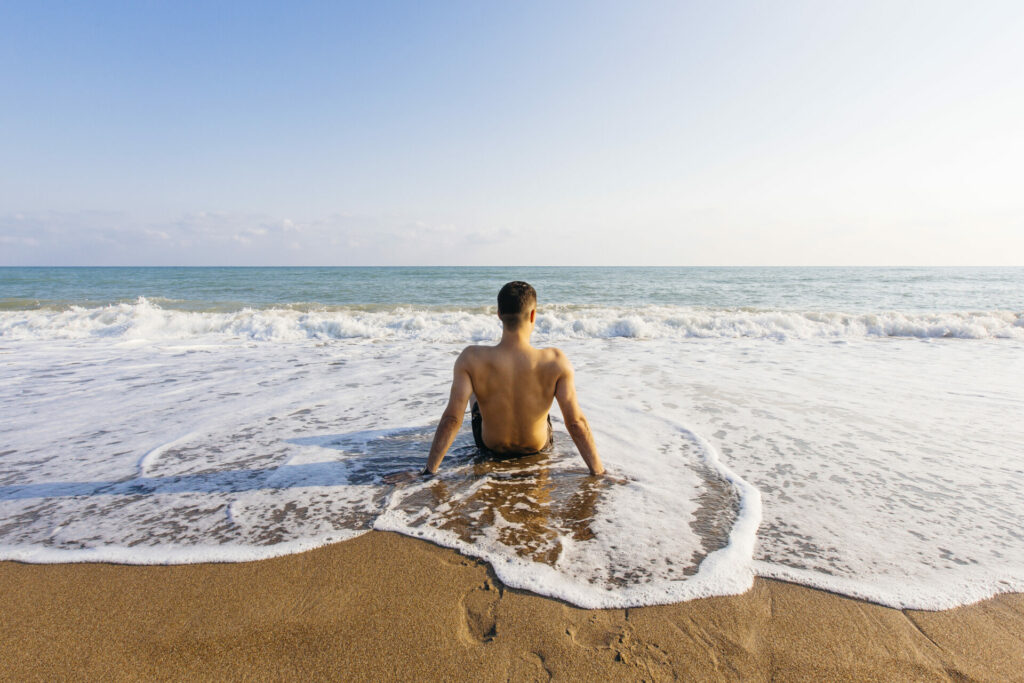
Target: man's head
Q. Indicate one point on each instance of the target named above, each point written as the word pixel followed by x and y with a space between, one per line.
pixel 517 304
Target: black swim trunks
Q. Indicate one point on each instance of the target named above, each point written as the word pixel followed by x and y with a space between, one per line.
pixel 478 423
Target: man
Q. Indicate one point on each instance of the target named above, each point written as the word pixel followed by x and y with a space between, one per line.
pixel 513 384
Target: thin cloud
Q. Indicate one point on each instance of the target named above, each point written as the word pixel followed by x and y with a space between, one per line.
pixel 230 238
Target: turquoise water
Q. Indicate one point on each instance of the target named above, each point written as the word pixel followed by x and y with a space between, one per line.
pixel 812 289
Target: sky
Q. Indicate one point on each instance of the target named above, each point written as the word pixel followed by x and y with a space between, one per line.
pixel 512 133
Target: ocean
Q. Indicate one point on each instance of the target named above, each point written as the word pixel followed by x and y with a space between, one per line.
pixel 853 429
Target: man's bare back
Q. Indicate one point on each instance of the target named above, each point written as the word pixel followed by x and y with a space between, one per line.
pixel 514 388
pixel 514 385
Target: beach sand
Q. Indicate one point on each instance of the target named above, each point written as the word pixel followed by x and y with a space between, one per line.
pixel 387 607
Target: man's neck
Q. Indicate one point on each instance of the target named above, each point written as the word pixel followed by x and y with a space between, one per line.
pixel 516 339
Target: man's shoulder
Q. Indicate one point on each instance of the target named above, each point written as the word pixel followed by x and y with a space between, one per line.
pixel 553 354
pixel 475 350
pixel 472 353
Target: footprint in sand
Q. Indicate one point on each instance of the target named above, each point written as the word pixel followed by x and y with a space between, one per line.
pixel 479 605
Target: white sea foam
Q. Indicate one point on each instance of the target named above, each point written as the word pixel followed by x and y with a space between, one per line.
pixel 541 533
pixel 147 320
pixel 884 468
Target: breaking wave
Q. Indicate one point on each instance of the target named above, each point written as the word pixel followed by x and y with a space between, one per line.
pixel 144 319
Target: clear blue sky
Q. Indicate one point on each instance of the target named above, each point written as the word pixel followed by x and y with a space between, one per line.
pixel 715 133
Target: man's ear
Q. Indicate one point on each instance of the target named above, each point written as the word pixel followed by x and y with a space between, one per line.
pixel 533 314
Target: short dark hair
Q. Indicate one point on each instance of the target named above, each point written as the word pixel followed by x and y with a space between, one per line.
pixel 514 302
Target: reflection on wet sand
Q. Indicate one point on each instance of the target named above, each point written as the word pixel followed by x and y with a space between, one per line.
pixel 543 512
pixel 716 512
pixel 520 502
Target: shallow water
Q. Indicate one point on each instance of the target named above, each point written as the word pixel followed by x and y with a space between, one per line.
pixel 876 453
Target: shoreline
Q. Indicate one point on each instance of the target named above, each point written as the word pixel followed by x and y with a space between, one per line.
pixel 388 607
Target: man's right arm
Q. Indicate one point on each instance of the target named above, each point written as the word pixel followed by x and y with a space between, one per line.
pixel 575 421
pixel 451 419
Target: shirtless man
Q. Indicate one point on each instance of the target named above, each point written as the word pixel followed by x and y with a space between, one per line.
pixel 513 384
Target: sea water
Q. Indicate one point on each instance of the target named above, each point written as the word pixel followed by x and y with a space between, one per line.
pixel 858 430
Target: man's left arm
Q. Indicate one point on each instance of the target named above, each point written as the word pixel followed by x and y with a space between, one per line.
pixel 451 419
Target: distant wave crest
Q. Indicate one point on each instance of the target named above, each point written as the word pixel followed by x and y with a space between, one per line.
pixel 144 319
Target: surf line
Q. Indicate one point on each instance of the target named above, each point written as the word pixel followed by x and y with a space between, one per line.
pixel 733 565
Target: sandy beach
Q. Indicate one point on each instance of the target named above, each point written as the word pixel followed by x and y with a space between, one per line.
pixel 388 607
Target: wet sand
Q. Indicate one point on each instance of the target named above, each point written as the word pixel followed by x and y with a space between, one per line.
pixel 388 607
